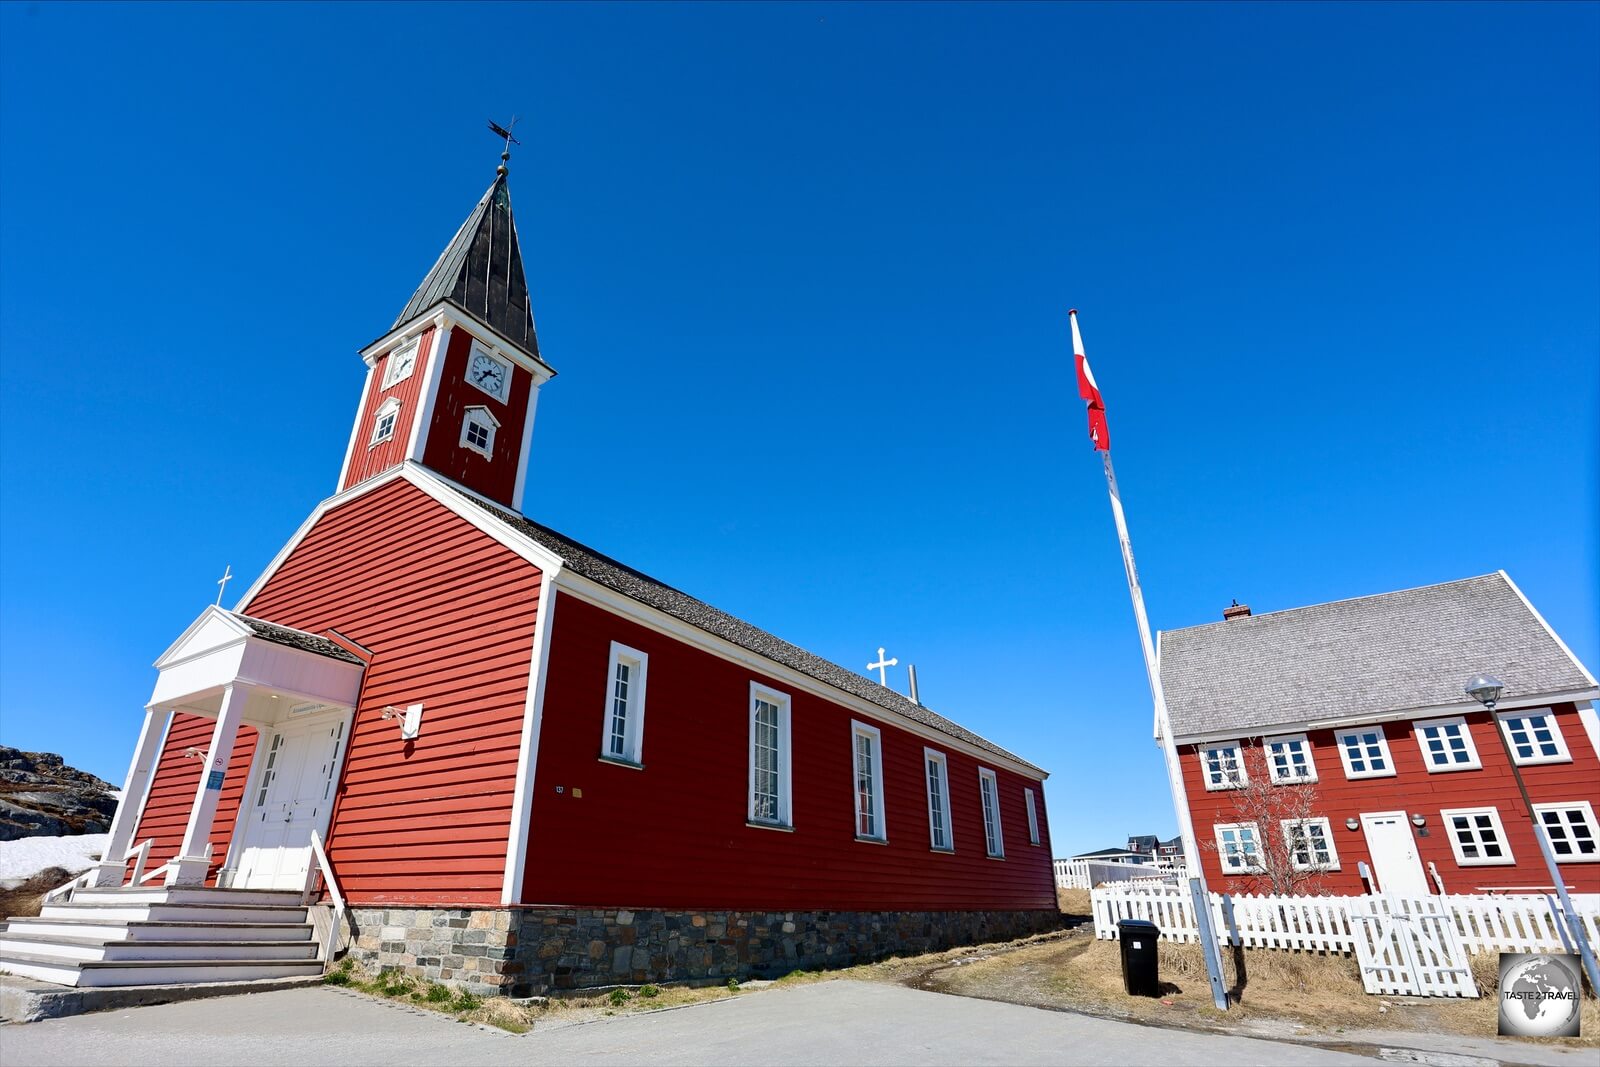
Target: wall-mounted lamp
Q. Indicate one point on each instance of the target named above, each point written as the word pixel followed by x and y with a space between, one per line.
pixel 410 720
pixel 1419 820
pixel 1352 823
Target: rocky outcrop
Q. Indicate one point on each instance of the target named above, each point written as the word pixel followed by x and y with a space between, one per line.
pixel 40 796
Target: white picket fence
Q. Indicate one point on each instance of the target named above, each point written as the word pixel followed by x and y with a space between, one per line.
pixel 1086 874
pixel 1484 923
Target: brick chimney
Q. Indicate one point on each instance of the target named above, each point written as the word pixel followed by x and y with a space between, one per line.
pixel 1236 611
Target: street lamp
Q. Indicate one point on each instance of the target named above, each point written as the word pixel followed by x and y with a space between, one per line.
pixel 1486 690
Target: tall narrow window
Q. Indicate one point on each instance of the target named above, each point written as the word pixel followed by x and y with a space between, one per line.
pixel 384 422
pixel 769 757
pixel 1534 736
pixel 867 751
pixel 1033 817
pixel 622 733
pixel 989 788
pixel 938 771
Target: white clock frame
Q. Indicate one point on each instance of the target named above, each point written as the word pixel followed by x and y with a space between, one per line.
pixel 480 349
pixel 390 378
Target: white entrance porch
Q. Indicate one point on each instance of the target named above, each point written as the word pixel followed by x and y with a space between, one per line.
pixel 299 690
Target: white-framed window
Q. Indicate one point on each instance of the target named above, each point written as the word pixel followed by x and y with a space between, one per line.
pixel 993 835
pixel 1223 763
pixel 1238 847
pixel 769 757
pixel 1447 745
pixel 866 753
pixel 1289 758
pixel 402 361
pixel 937 769
pixel 478 425
pixel 1476 836
pixel 384 421
pixel 1310 844
pixel 1364 752
pixel 1534 736
pixel 1571 830
pixel 1033 817
pixel 622 729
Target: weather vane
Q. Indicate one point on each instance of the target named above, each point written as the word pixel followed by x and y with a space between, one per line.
pixel 505 131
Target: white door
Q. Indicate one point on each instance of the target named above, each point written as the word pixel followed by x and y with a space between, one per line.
pixel 1395 863
pixel 290 797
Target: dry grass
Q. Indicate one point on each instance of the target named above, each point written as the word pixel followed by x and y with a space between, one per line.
pixel 24 900
pixel 1073 902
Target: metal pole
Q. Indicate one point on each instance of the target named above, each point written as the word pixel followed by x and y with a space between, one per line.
pixel 1585 952
pixel 1180 797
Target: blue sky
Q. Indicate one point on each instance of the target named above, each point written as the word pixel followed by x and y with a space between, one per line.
pixel 805 271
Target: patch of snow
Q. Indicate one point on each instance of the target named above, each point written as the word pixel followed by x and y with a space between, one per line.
pixel 24 858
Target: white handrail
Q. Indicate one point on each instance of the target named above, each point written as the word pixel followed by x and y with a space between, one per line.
pixel 319 861
pixel 141 852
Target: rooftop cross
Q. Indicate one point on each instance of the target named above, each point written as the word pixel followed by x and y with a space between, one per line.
pixel 505 131
pixel 882 667
pixel 222 583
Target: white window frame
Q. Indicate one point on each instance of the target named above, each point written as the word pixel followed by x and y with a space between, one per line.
pixel 860 731
pixel 1304 742
pixel 1033 816
pixel 481 414
pixel 633 725
pixel 1222 781
pixel 1505 859
pixel 1561 755
pixel 1223 856
pixel 481 349
pixel 934 756
pixel 1588 817
pixel 1289 828
pixel 1473 762
pixel 1339 741
pixel 994 838
pixel 390 378
pixel 784 821
pixel 389 409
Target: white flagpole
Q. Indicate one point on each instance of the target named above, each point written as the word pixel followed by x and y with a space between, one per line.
pixel 1199 897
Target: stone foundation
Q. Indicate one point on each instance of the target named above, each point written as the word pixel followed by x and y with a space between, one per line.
pixel 536 951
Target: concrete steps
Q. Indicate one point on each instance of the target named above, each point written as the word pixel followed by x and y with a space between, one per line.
pixel 163 935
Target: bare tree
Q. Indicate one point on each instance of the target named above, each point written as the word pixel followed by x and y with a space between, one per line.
pixel 1288 855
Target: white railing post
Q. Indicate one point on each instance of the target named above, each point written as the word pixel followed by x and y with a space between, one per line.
pixel 319 862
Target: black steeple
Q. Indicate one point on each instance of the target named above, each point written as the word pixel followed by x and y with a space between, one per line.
pixel 481 272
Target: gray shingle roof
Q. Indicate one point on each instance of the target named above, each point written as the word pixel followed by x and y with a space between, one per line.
pixel 306 642
pixel 480 271
pixel 656 594
pixel 1405 651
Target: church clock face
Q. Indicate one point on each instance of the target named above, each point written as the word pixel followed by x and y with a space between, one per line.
pixel 489 373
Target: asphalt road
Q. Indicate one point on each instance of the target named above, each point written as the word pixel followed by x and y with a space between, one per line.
pixel 826 1023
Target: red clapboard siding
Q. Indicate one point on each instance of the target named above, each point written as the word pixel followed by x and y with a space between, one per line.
pixel 448 614
pixel 1412 789
pixel 367 461
pixel 166 812
pixel 674 834
pixel 496 478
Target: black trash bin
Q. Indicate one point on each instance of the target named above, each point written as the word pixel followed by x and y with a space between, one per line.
pixel 1141 973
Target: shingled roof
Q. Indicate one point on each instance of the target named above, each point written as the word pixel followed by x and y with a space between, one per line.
pixel 1396 652
pixel 306 642
pixel 623 579
pixel 480 271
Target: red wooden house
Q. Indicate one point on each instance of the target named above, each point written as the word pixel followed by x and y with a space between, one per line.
pixel 531 765
pixel 1339 735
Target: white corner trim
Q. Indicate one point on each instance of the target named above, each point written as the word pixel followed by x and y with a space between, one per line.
pixel 423 419
pixel 355 429
pixel 527 447
pixel 516 865
pixel 1547 629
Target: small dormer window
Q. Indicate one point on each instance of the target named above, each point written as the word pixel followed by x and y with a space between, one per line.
pixel 383 424
pixel 400 363
pixel 477 431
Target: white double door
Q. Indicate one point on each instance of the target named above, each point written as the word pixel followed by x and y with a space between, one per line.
pixel 290 796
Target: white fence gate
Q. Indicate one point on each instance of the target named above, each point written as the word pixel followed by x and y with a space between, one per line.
pixel 1420 944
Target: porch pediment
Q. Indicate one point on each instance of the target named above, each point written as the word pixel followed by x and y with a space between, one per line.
pixel 222 648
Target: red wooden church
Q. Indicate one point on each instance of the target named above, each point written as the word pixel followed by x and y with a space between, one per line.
pixel 515 763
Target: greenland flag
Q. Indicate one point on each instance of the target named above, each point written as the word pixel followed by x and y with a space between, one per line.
pixel 1098 433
